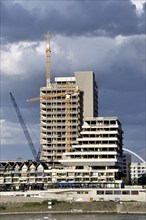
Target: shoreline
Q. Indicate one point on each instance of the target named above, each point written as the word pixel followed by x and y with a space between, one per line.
pixel 74 213
pixel 31 205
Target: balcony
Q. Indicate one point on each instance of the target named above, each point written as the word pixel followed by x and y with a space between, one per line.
pixel 30 180
pixel 9 180
pixel 15 180
pixel 39 180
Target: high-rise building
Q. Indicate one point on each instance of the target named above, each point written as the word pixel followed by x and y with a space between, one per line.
pixel 63 106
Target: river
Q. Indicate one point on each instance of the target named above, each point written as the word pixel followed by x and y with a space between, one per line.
pixel 74 217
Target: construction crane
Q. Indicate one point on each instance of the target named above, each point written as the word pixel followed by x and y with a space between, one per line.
pixel 67 96
pixel 69 91
pixel 23 125
pixel 48 51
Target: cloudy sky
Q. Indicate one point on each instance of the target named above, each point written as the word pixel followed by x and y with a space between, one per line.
pixel 107 37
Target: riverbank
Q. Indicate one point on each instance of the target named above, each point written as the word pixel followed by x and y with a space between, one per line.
pixel 21 205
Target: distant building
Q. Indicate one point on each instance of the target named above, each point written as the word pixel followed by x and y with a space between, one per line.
pixel 137 170
pixel 126 167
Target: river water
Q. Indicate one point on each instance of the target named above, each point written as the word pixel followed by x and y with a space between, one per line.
pixel 74 217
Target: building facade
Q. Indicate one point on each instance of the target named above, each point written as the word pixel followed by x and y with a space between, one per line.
pixel 63 106
pixel 98 154
pixel 126 167
pixel 136 171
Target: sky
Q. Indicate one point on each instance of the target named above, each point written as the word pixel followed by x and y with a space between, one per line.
pixel 104 36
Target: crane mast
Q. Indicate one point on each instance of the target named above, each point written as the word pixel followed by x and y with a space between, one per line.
pixel 23 125
pixel 48 69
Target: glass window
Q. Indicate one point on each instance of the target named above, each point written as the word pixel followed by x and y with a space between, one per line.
pixel 126 192
pixel 134 193
pixel 117 192
pixel 100 192
pixel 108 192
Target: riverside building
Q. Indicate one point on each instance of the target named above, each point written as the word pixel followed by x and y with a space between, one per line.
pixel 97 158
pixel 136 171
pixel 61 121
pixel 88 147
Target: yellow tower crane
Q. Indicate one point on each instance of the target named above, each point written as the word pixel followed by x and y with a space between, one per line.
pixel 48 70
pixel 67 96
pixel 69 91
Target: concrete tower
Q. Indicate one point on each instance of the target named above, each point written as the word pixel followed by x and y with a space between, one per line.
pixel 61 121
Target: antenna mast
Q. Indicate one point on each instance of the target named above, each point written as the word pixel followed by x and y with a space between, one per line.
pixel 48 51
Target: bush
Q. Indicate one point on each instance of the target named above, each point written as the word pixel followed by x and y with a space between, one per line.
pixel 31 204
pixel 2 207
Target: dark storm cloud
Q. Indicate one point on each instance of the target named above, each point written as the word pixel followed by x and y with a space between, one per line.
pixel 21 89
pixel 81 17
pixel 120 76
pixel 128 106
pixel 124 68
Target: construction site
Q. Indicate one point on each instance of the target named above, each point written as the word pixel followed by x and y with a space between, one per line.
pixel 78 148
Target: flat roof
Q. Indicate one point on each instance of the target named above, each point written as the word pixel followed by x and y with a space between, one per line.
pixel 65 79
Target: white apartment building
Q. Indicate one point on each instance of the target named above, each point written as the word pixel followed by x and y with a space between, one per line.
pixel 61 121
pixel 136 171
pixel 97 158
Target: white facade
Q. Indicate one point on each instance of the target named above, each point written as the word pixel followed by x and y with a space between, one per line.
pixel 136 170
pixel 53 120
pixel 86 194
pixel 98 154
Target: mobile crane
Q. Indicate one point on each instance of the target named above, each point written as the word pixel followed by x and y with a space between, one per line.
pixel 24 127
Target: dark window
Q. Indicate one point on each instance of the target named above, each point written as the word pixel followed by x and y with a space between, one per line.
pixel 109 192
pixel 134 193
pixel 100 192
pixel 117 192
pixel 126 192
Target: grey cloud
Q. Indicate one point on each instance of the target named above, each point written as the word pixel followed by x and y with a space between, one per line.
pixel 81 17
pixel 120 76
pixel 128 106
pixel 21 90
pixel 125 66
pixel 122 84
pixel 133 139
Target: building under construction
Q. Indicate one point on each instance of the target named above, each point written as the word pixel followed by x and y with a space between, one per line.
pixel 63 106
pixel 69 101
pixel 73 134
